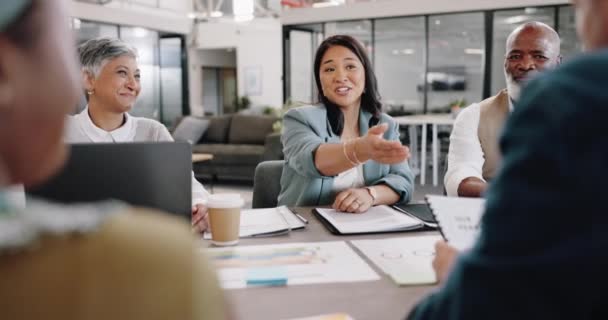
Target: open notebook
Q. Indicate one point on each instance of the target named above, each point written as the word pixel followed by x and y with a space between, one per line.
pixel 458 218
pixel 267 222
pixel 378 219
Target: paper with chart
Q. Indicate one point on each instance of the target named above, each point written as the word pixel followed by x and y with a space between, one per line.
pixel 289 264
pixel 458 218
pixel 333 316
pixel 407 260
pixel 376 219
pixel 266 222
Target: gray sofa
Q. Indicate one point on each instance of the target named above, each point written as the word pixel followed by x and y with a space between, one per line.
pixel 238 142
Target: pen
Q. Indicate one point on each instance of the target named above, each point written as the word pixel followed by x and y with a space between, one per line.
pixel 301 218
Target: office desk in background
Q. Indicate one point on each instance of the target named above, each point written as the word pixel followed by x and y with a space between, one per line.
pixel 377 300
pixel 423 120
pixel 200 157
pixel 203 157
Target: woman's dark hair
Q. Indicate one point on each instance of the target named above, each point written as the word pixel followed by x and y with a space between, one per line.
pixel 370 99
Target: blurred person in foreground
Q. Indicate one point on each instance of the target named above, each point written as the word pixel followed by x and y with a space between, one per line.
pixel 540 251
pixel 90 261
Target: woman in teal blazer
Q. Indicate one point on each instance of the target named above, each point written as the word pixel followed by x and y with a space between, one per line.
pixel 344 152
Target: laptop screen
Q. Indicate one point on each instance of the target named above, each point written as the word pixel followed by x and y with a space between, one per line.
pixel 148 174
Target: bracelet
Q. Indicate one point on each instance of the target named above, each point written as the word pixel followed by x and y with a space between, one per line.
pixel 355 151
pixel 346 154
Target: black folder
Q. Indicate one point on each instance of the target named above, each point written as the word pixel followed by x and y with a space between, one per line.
pixel 422 226
pixel 420 211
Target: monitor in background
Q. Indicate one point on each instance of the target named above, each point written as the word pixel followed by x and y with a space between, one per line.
pixel 149 174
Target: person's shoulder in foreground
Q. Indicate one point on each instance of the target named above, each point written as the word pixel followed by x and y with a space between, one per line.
pixel 138 264
pixel 539 249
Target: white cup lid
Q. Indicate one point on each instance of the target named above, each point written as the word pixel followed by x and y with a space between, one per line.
pixel 225 200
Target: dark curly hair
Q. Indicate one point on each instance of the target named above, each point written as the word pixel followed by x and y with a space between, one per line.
pixel 370 99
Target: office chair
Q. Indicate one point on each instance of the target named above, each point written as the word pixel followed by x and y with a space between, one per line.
pixel 267 184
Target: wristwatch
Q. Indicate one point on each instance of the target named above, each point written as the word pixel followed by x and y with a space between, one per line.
pixel 373 193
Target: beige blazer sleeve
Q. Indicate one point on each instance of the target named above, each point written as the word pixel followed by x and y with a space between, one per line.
pixel 138 265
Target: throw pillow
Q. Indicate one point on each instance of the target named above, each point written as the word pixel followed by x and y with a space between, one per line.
pixel 190 129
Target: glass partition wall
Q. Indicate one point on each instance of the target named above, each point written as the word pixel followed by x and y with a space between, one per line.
pixel 400 55
pixel 456 57
pixel 425 63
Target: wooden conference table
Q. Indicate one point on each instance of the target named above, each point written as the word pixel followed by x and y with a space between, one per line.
pixel 377 300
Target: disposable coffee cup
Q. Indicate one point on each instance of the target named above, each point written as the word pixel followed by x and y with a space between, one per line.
pixel 225 218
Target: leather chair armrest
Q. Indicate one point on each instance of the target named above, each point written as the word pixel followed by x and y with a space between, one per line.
pixel 273 148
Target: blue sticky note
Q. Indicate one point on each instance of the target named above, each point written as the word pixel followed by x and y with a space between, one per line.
pixel 267 276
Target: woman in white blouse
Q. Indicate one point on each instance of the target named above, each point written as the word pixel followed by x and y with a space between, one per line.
pixel 111 78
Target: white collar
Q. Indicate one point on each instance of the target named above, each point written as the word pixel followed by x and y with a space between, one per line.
pixel 510 104
pixel 124 133
pixel 19 228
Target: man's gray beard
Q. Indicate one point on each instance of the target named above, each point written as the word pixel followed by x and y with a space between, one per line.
pixel 514 89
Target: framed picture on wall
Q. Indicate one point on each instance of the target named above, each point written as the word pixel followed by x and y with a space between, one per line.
pixel 253 80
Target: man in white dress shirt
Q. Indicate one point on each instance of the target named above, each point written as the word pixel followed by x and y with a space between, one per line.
pixel 474 156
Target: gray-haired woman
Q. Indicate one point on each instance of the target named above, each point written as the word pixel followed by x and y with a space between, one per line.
pixel 111 79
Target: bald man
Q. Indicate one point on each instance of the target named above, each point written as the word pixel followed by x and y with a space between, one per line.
pixel 542 250
pixel 473 156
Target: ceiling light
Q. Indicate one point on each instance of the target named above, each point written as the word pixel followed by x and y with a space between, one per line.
pixel 516 19
pixel 76 23
pixel 407 51
pixel 242 8
pixel 474 51
pixel 140 32
pixel 330 3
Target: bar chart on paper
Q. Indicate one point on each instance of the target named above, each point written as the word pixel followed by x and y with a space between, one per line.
pixel 289 264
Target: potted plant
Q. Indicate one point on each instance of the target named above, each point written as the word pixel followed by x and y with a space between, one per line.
pixel 456 106
pixel 278 125
pixel 242 103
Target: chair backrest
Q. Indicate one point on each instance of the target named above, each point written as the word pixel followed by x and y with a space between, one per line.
pixel 267 184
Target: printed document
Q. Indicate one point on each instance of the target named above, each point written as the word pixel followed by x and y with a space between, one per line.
pixel 376 219
pixel 407 260
pixel 266 222
pixel 289 264
pixel 459 219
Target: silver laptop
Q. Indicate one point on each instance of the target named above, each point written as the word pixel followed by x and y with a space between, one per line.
pixel 148 174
